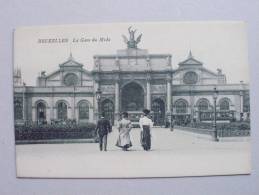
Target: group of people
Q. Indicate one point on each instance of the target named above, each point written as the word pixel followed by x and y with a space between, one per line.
pixel 124 127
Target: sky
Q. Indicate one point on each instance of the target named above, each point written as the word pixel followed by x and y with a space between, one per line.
pixel 217 44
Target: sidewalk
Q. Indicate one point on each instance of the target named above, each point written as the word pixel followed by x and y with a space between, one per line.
pixel 172 154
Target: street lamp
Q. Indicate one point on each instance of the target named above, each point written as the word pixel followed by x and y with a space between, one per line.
pixel 159 118
pixel 98 98
pixel 215 96
pixel 171 122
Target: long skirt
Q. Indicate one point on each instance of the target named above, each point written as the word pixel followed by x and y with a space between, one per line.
pixel 123 140
pixel 146 138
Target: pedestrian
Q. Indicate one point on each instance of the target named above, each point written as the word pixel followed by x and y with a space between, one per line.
pixel 145 124
pixel 124 127
pixel 103 127
pixel 172 125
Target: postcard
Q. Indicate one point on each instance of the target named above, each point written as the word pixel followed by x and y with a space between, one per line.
pixel 131 100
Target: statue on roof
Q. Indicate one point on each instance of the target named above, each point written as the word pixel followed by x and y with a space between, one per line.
pixel 132 43
pixel 219 71
pixel 43 73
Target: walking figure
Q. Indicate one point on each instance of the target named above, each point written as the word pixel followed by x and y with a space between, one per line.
pixel 145 124
pixel 124 127
pixel 102 129
pixel 172 125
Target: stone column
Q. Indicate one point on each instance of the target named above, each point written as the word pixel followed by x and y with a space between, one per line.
pixel 48 112
pixel 241 101
pixel 52 116
pixel 24 117
pixel 168 98
pixel 73 104
pixel 34 118
pixel 169 93
pixel 95 102
pixel 148 94
pixel 191 105
pixel 96 106
pixel 241 104
pixel 55 114
pixel 117 100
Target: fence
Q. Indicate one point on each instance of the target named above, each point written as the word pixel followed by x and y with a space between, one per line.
pixel 232 129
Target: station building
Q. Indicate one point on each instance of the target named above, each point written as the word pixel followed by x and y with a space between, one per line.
pixel 130 80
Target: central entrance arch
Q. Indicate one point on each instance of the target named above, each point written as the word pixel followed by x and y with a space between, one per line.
pixel 132 97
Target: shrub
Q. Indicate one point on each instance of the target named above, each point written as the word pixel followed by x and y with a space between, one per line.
pixel 55 131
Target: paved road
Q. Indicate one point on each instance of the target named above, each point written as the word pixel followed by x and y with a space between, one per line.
pixel 172 154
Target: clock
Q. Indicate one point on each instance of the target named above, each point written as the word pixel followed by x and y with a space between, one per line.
pixel 190 78
pixel 70 79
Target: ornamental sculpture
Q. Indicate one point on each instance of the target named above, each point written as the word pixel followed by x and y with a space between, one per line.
pixel 131 42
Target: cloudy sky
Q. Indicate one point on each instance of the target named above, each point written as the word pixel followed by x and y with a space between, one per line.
pixel 216 44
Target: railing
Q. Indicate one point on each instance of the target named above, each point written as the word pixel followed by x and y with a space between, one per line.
pixel 232 129
pixel 220 115
pixel 234 133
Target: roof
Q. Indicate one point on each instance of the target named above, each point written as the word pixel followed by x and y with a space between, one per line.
pixel 190 60
pixel 71 62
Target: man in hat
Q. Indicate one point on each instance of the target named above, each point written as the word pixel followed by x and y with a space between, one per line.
pixel 102 129
pixel 145 124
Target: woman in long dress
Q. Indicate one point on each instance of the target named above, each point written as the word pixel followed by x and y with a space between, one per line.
pixel 145 124
pixel 124 127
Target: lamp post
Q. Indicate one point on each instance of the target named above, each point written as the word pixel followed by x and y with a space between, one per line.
pixel 98 98
pixel 159 118
pixel 23 103
pixel 215 96
pixel 171 122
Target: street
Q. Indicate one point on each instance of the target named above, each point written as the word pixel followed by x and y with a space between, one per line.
pixel 172 154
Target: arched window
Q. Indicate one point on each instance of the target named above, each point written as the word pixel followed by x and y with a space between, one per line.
pixel 181 107
pixel 62 111
pixel 203 105
pixel 224 104
pixel 18 109
pixel 83 109
pixel 41 112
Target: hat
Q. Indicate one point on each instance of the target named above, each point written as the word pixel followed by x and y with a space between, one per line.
pixel 146 111
pixel 125 114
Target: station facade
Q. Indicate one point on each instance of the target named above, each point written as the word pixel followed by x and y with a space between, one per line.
pixel 130 80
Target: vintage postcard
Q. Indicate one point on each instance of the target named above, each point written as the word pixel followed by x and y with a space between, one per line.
pixel 129 100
